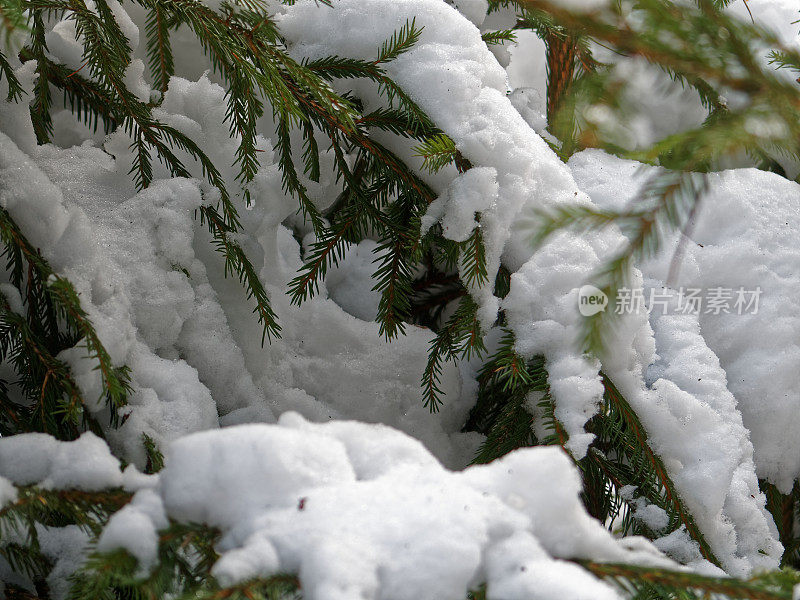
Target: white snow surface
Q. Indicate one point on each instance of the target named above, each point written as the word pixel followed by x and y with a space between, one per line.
pixel 85 464
pixel 743 236
pixel 705 386
pixel 365 511
pixel 356 510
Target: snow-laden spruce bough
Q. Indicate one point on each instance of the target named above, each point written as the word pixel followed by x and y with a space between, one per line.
pixel 373 158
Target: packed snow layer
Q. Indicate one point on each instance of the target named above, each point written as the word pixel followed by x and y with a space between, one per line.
pixel 744 235
pixel 85 464
pixel 364 511
pixel 356 510
pixel 693 424
pixel 714 382
pixel 698 430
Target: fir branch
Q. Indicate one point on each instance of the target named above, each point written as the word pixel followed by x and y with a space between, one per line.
pixel 327 251
pixel 159 49
pixel 15 91
pixel 658 583
pixel 784 509
pixel 504 411
pixel 88 510
pixel 557 435
pixel 500 36
pixel 276 587
pixel 310 152
pixel 115 380
pixel 512 428
pixel 784 60
pixel 461 338
pixel 397 121
pixel 185 557
pixel 562 51
pixel 42 101
pixel 28 350
pixel 361 204
pixel 473 259
pixel 393 280
pixel 14 592
pixel 401 42
pixel 397 255
pixel 155 459
pixel 437 152
pixel 27 560
pixel 432 292
pixel 334 67
pixel 85 98
pixel 622 450
pixel 237 263
pixel 290 178
pixel 57 406
pixel 12 19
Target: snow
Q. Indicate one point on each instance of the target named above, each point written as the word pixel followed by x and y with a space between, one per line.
pixel 350 282
pixel 476 113
pixel 84 464
pixel 8 493
pixel 474 10
pixel 683 548
pixel 140 299
pixel 66 548
pixel 699 419
pixel 581 5
pixel 542 310
pixel 777 16
pixel 472 192
pixel 13 297
pixel 356 508
pixel 351 507
pixel 743 236
pixel 135 528
pixel 131 271
pixel 518 568
pixel 324 364
pixel 654 106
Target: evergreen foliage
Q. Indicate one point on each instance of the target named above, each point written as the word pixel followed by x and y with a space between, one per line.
pixel 54 321
pixel 417 275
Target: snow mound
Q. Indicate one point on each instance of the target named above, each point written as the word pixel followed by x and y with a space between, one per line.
pixel 707 384
pixel 85 464
pixel 744 236
pixel 153 286
pixel 364 511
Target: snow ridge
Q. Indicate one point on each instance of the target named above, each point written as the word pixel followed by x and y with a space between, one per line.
pixel 360 511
